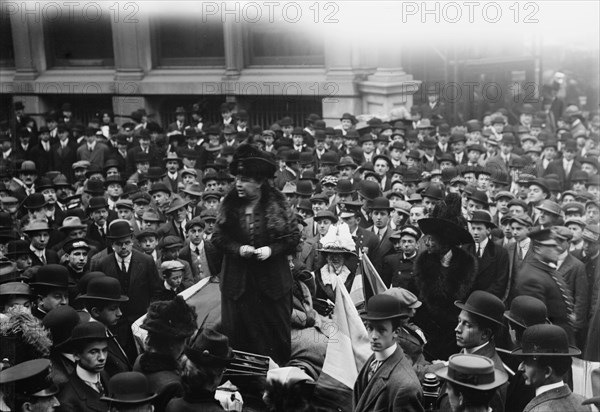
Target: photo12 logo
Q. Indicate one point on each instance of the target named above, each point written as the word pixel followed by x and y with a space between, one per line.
pixel 70 11
pixel 469 12
pixel 271 12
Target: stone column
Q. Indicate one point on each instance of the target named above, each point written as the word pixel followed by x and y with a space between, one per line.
pixel 130 46
pixel 234 49
pixel 28 41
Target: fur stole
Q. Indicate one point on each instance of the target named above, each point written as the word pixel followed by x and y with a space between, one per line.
pixel 279 216
pixel 440 286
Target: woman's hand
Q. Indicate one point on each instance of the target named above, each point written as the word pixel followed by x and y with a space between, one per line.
pixel 247 251
pixel 263 253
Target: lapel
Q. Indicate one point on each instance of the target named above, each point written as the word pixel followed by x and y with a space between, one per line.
pixel 378 383
pixel 488 257
pixel 87 395
pixel 566 266
pixel 547 396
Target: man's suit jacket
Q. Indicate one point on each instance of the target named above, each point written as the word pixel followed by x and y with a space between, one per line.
pixel 492 269
pixel 117 360
pixel 384 247
pixel 393 387
pixel 42 159
pixel 77 396
pixel 556 167
pixel 51 257
pixel 497 163
pixel 144 282
pixel 63 159
pixel 169 229
pixel 573 272
pixel 97 157
pixel 514 265
pixel 559 399
pixel 397 271
pixel 213 257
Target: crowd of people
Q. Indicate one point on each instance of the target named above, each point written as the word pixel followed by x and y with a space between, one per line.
pixel 485 235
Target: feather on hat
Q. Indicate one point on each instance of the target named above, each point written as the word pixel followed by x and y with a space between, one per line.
pixel 338 240
pixel 171 318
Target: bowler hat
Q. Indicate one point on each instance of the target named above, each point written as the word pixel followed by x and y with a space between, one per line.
pixel 481 216
pixel 104 288
pixel 52 275
pixel 119 229
pixel 156 173
pixel 94 187
pixel 527 311
pixel 174 318
pixel 368 189
pixel 326 214
pixel 344 187
pixel 380 203
pixel 28 167
pixel 31 378
pixel 484 304
pixel 87 331
pixel 329 159
pixel 433 191
pixel 128 388
pixel 35 201
pixel 97 202
pixel 383 307
pixel 540 182
pixel 473 371
pixel 17 247
pixel 60 321
pixel 545 340
pixel 347 162
pixel 579 176
pixel 43 183
pixel 479 196
pixel 210 348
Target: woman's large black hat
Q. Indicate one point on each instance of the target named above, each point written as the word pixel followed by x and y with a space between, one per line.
pixel 250 161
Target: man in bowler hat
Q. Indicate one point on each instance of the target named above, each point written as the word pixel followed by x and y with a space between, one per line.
pixel 129 392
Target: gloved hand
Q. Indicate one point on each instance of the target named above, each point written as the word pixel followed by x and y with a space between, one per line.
pixel 263 253
pixel 247 251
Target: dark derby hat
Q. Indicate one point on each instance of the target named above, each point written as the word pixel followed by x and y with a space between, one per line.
pixel 330 159
pixel 42 184
pixel 433 191
pixel 479 196
pixel 383 307
pixel 304 188
pixel 17 247
pixel 380 203
pixel 368 189
pixel 173 318
pixel 156 173
pixel 119 229
pixel 473 371
pixel 104 288
pixel 128 388
pixel 60 321
pixel 95 187
pixel 35 201
pixel 482 216
pixel 252 162
pixel 141 157
pixel 210 348
pixel 484 304
pixel 51 275
pixel 344 187
pixel 159 187
pixel 527 311
pixel 545 340
pixel 347 162
pixel 85 332
pixel 30 378
pixel 97 202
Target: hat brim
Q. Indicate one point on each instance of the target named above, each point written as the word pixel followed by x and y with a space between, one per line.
pixel 206 358
pixel 122 298
pixel 181 206
pixel 500 378
pixel 53 285
pixel 365 316
pixel 449 231
pixel 548 210
pixel 573 351
pixel 117 401
pixel 65 228
pixel 336 250
pixel 485 222
pixel 508 316
pixel 470 309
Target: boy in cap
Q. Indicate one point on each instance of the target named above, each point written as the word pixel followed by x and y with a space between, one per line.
pixel 77 251
pixel 201 254
pixel 30 385
pixel 387 381
pixel 129 392
pixel 102 300
pixel 397 268
pixel 172 275
pixel 169 247
pixel 85 387
pixel 546 362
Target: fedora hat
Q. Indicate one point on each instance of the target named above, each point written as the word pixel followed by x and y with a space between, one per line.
pixel 71 223
pixel 526 311
pixel 16 288
pixel 60 321
pixel 119 229
pixel 52 275
pixel 30 378
pixel 481 216
pixel 210 348
pixel 347 161
pixel 449 231
pixel 172 156
pixel 35 201
pixel 104 288
pixel 176 204
pixel 193 189
pixel 545 340
pixel 383 307
pixel 326 214
pixel 473 371
pixel 36 226
pixel 97 202
pixel 484 304
pixel 173 318
pixel 128 388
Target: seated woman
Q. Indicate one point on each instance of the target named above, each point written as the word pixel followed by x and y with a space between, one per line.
pixel 336 246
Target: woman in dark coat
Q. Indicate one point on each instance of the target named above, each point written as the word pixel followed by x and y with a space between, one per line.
pixel 256 230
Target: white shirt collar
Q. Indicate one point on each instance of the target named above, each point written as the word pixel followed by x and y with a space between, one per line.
pixel 475 349
pixel 198 247
pixel 87 376
pixel 483 244
pixel 172 176
pixel 127 260
pixel 91 146
pixel 38 252
pixel 386 353
pixel 549 387
pixel 167 286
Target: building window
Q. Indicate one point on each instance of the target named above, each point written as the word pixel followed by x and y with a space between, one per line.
pixel 284 45
pixel 7 53
pixel 189 43
pixel 74 40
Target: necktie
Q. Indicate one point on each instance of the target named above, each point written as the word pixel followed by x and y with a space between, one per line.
pixel 565 293
pixel 43 258
pixel 99 387
pixel 380 235
pixel 520 252
pixel 373 368
pixel 123 267
pixel 478 250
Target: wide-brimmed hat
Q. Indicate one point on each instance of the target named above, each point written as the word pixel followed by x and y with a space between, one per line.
pixel 210 348
pixel 71 223
pixel 119 229
pixel 173 318
pixel 482 216
pixel 450 232
pixel 383 307
pixel 193 189
pixel 104 288
pixel 31 378
pixel 338 239
pixel 128 388
pixel 472 371
pixel 252 162
pixel 526 311
pixel 484 304
pixel 545 340
pixel 51 275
